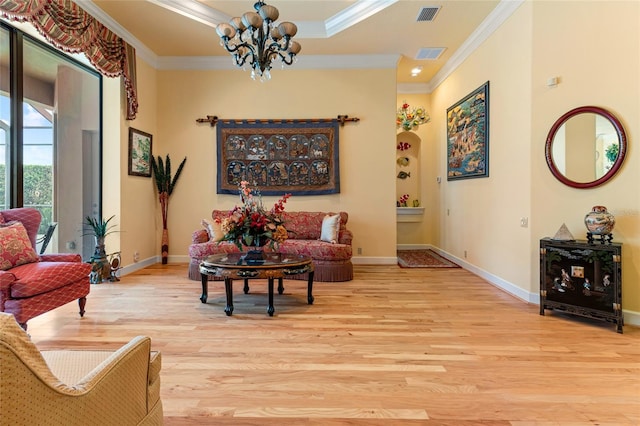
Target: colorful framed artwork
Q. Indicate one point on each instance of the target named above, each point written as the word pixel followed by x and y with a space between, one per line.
pixel 468 136
pixel 139 153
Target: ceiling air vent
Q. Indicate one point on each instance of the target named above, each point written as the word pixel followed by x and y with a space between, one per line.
pixel 428 13
pixel 429 53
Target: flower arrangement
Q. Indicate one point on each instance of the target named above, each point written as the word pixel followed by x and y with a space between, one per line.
pixel 402 202
pixel 410 119
pixel 250 224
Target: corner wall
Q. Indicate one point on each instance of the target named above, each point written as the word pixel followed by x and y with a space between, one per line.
pixel 139 222
pixel 479 219
pixel 577 43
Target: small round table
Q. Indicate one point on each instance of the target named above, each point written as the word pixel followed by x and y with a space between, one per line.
pixel 232 266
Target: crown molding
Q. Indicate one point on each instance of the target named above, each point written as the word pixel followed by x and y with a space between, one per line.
pixel 141 49
pixel 302 62
pixel 194 10
pixel 360 10
pixel 355 13
pixel 337 23
pixel 492 22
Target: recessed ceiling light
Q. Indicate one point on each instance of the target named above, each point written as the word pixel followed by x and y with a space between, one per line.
pixel 415 71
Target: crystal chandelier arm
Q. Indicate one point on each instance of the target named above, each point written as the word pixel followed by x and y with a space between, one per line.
pixel 286 59
pixel 240 52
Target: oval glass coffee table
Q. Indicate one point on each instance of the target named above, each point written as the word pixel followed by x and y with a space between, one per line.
pixel 232 266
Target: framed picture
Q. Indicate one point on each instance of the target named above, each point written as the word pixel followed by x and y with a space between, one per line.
pixel 468 136
pixel 139 153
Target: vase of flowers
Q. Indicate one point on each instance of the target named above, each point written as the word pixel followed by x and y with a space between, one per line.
pixel 250 225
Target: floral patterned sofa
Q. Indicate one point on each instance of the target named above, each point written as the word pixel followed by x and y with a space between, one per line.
pixel 332 261
pixel 32 284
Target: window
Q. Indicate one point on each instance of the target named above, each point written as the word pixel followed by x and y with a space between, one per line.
pixel 56 106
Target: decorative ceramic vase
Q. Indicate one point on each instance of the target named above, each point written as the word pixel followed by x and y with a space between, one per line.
pixel 599 222
pixel 99 252
pixel 100 268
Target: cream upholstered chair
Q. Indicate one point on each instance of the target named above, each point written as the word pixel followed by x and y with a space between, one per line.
pixel 77 387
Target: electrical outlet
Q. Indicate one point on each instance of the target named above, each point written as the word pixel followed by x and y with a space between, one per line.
pixel 359 250
pixel 136 256
pixel 524 222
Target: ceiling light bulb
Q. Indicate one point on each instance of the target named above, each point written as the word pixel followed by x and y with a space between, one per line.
pixel 415 71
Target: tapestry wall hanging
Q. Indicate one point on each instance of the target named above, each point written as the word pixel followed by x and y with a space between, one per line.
pixel 279 156
pixel 468 136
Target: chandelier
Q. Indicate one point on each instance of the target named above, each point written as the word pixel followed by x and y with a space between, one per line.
pixel 255 40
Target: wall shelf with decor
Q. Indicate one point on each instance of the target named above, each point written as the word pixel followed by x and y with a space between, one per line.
pixel 410 214
pixel 582 278
pixel 407 170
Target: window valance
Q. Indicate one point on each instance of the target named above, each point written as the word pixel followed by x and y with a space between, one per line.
pixel 68 27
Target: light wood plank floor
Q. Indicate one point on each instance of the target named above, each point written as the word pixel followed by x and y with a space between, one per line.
pixel 393 346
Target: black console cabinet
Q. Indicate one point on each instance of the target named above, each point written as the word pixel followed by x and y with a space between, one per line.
pixel 582 278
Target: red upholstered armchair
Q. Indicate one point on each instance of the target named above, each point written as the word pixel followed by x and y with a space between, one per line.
pixel 32 284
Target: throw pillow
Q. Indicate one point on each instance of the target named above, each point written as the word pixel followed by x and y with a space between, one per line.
pixel 330 228
pixel 214 229
pixel 15 246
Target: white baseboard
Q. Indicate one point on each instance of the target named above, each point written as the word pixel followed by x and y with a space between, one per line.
pixel 492 279
pixel 630 317
pixel 370 260
pixel 138 266
pixel 414 247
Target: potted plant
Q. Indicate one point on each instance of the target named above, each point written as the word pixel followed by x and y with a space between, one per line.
pixel 165 185
pixel 99 228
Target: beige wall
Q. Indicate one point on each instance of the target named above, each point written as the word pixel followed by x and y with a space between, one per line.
pixel 139 219
pixel 596 56
pixel 367 162
pixel 476 221
pixel 419 232
pixel 575 42
pixel 481 217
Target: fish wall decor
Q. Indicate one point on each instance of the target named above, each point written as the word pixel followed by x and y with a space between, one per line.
pixel 403 146
pixel 403 161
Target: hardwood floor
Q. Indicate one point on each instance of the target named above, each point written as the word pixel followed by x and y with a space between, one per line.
pixel 393 346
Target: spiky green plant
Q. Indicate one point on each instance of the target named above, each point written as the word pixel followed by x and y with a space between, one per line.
pixel 98 226
pixel 164 182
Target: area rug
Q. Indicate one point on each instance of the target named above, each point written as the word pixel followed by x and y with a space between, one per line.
pixel 423 259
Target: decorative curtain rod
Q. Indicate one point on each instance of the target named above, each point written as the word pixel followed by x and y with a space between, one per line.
pixel 213 119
